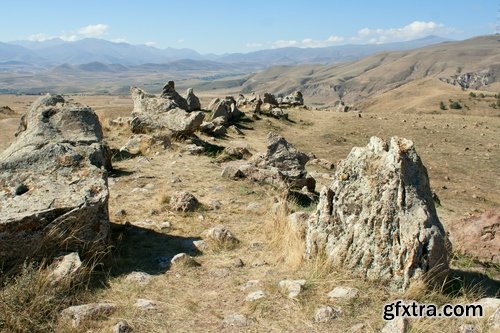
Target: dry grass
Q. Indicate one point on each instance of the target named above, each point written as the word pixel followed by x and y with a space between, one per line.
pixel 284 242
pixel 196 299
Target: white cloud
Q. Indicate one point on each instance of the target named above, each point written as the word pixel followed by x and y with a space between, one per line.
pixel 254 45
pixel 150 43
pixel 180 41
pixel 415 29
pixel 119 40
pixel 39 37
pixel 93 30
pixel 308 42
pixel 69 37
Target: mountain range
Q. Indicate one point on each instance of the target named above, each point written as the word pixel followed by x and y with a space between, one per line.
pixel 56 52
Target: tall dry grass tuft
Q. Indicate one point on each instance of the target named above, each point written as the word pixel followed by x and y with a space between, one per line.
pixel 29 300
pixel 284 241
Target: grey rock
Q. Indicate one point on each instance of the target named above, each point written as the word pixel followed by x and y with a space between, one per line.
pixel 221 236
pixel 398 325
pixel 278 113
pixel 250 284
pixel 146 304
pixel 343 293
pixel 292 288
pixel 378 219
pixel 235 320
pixel 327 313
pixel 183 260
pixel 141 278
pixel 494 320
pixel 172 95
pixel 122 327
pixel 270 99
pixel 232 172
pixel 80 313
pixel 64 267
pixel 59 156
pixel 183 201
pixel 298 223
pixel 159 114
pixel 255 296
pixel 467 328
pixel 295 99
pixel 192 100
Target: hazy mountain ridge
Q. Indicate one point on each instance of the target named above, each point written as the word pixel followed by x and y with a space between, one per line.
pixel 55 52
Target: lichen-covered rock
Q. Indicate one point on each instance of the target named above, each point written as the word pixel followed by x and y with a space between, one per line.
pixel 282 164
pixel 152 114
pixel 295 99
pixel 378 218
pixel 183 201
pixel 78 314
pixel 60 160
pixel 192 100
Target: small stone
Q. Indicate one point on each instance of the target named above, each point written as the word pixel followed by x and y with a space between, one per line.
pixel 183 260
pixel 467 328
pixel 494 320
pixel 165 225
pixel 256 295
pixel 120 213
pixel 79 313
pixel 138 277
pixel 327 313
pixel 238 263
pixel 221 236
pixel 183 201
pixel 235 320
pixel 398 325
pixel 343 292
pixel 250 284
pixel 64 267
pixel 215 204
pixel 200 245
pixel 358 328
pixel 122 327
pixel 291 287
pixel 21 189
pixel 146 304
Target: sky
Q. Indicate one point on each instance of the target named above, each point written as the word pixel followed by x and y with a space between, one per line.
pixel 221 26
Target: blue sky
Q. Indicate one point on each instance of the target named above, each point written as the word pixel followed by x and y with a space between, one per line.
pixel 217 26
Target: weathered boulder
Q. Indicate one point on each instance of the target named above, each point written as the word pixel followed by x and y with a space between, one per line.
pixel 78 314
pixel 172 95
pixel 295 99
pixel 278 113
pixel 192 100
pixel 270 99
pixel 64 267
pixel 378 218
pixel 159 114
pixel 478 236
pixel 282 164
pixel 183 201
pixel 54 182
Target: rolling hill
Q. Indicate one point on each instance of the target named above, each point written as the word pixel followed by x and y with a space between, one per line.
pixel 384 71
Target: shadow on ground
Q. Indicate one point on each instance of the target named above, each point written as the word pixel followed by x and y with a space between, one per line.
pixel 460 281
pixel 145 250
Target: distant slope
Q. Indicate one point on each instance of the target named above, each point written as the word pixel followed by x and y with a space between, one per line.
pixel 325 55
pixel 381 72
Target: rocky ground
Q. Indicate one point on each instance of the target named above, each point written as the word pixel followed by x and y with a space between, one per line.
pixel 261 283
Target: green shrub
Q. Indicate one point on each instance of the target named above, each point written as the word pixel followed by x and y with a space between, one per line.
pixel 442 106
pixel 471 94
pixel 455 105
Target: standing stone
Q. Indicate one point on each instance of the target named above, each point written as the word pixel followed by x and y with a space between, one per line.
pixel 192 100
pixel 170 93
pixel 378 218
pixel 60 158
